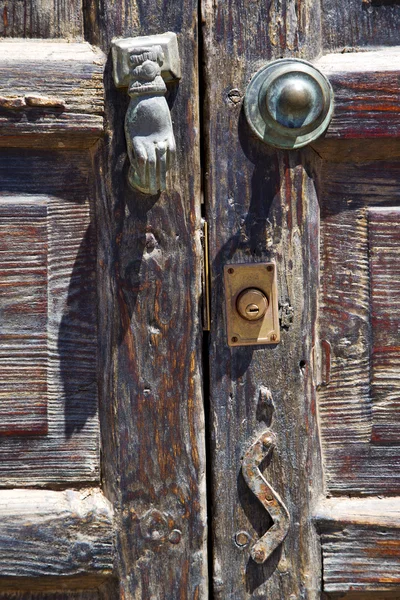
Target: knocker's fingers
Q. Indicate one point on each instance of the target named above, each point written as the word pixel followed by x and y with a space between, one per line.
pixel 171 152
pixel 162 164
pixel 140 163
pixel 152 168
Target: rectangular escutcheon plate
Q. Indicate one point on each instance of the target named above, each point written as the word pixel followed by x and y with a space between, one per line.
pixel 251 301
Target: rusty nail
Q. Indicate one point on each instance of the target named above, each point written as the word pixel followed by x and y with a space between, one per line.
pixel 175 536
pixel 259 556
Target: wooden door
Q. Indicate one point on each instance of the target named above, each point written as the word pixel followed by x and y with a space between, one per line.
pixel 328 216
pixel 102 468
pixel 103 365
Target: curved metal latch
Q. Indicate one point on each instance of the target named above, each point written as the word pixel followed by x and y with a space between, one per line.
pixel 142 65
pixel 268 497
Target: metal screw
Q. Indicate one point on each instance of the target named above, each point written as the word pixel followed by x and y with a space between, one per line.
pixel 234 339
pixel 270 268
pixel 274 337
pixel 230 270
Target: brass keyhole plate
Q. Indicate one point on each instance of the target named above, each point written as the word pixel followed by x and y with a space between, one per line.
pixel 249 287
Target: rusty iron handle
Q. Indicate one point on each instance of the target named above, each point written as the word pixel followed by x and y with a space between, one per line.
pixel 268 497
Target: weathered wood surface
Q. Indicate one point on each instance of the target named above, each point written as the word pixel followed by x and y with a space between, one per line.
pixel 360 541
pixel 23 306
pixel 150 328
pixel 367 89
pixel 350 26
pixel 47 533
pixel 354 464
pixel 51 93
pixel 261 205
pixel 384 257
pixel 69 452
pixel 41 19
pixel 78 595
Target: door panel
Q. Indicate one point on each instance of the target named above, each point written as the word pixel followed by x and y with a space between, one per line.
pixel 120 337
pixel 261 206
pixel 327 216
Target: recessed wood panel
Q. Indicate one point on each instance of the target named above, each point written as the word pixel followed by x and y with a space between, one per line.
pixel 359 317
pixel 384 257
pixel 57 184
pixel 23 316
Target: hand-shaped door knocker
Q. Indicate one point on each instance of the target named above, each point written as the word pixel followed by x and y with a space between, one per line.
pixel 143 65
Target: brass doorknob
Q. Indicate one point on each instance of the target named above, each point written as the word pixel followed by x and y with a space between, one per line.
pixel 289 103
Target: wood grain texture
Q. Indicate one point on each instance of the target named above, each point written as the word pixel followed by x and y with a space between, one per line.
pixel 59 595
pixel 384 257
pixel 69 452
pixel 44 534
pixel 23 308
pixel 150 328
pixel 41 19
pixel 261 205
pixel 366 90
pixel 50 93
pixel 353 464
pixel 360 544
pixel 355 24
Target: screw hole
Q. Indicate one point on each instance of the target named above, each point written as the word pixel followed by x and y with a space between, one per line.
pixel 302 364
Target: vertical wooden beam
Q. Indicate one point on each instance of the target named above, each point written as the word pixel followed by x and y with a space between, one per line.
pixel 261 205
pixel 149 273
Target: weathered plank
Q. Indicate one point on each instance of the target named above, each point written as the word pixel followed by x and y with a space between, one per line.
pixel 78 595
pixel 261 205
pixel 367 89
pixel 23 306
pixel 360 544
pixel 384 256
pixel 350 26
pixel 51 93
pixel 150 333
pixel 69 452
pixel 41 19
pixel 45 533
pixel 353 464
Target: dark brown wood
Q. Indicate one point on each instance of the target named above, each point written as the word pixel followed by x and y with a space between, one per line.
pixel 150 328
pixel 360 544
pixel 384 256
pixel 352 25
pixel 51 94
pixel 261 205
pixel 41 19
pixel 354 464
pixel 366 88
pixel 23 306
pixel 65 326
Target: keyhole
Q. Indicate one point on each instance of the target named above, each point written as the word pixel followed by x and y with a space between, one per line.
pixel 252 310
pixel 252 304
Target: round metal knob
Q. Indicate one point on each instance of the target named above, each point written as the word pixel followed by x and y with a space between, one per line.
pixel 252 304
pixel 289 103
